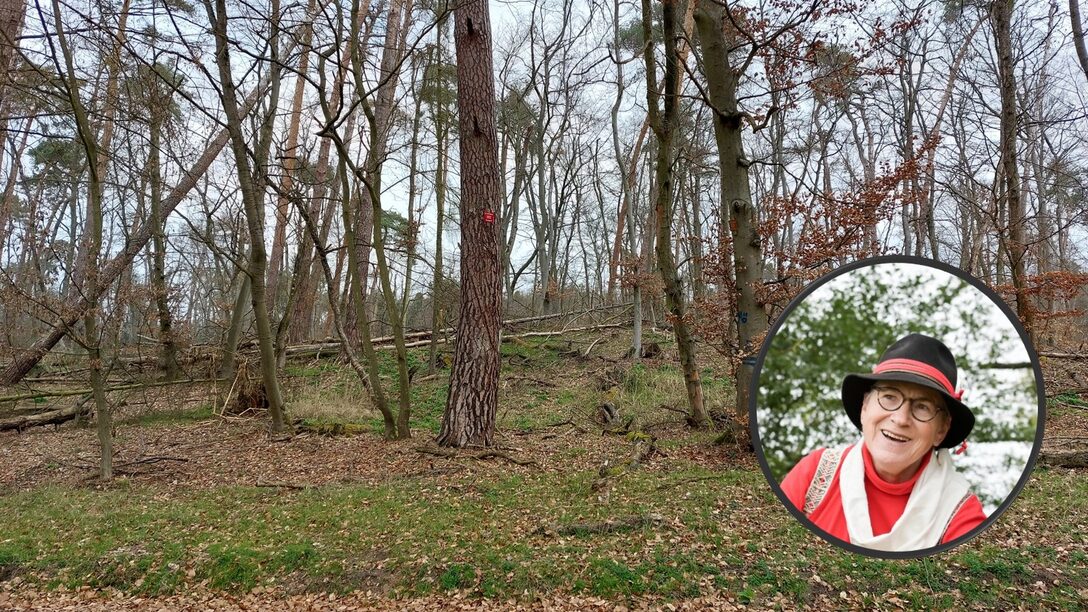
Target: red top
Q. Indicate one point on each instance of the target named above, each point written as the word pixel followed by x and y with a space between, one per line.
pixel 886 499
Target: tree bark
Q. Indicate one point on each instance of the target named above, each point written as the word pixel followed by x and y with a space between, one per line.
pixel 474 381
pixel 736 195
pixel 11 23
pixel 1008 192
pixel 1078 35
pixel 252 202
pixel 664 125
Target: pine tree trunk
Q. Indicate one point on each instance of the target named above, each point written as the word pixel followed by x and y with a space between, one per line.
pixel 11 22
pixel 474 381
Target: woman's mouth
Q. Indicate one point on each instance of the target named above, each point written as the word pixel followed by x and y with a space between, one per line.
pixel 894 437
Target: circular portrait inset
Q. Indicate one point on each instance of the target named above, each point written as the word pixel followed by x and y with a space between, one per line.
pixel 897 407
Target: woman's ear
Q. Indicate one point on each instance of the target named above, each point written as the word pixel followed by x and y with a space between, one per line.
pixel 942 431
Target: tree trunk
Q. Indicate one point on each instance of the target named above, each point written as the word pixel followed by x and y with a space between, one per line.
pixel 92 240
pixel 622 216
pixel 290 163
pixel 664 126
pixel 168 348
pixel 722 83
pixel 625 215
pixel 440 118
pixel 542 224
pixel 229 361
pixel 252 202
pixel 379 125
pixel 1078 35
pixel 474 381
pixel 1010 199
pixel 11 23
pixel 412 237
pixel 380 122
pixel 697 281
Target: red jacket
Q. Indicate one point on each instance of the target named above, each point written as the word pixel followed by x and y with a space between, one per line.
pixel 886 500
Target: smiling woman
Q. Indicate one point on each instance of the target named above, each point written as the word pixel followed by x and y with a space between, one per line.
pixel 859 413
pixel 896 490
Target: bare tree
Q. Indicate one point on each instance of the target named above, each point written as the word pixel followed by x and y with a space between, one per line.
pixel 252 191
pixel 1009 197
pixel 664 124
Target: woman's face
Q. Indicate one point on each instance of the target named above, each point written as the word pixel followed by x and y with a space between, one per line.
pixel 896 440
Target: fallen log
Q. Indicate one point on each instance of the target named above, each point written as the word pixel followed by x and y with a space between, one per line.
pixel 1077 458
pixel 128 387
pixel 644 447
pixel 1057 355
pixel 309 350
pixel 332 344
pixel 1065 451
pixel 52 417
pixel 331 429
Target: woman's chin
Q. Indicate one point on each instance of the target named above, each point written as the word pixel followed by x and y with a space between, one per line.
pixel 894 461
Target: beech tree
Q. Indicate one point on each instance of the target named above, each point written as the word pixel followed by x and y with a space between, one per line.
pixel 664 123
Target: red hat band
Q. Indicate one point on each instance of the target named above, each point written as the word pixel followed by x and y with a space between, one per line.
pixel 918 367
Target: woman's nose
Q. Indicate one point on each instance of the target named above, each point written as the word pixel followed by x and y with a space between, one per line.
pixel 902 416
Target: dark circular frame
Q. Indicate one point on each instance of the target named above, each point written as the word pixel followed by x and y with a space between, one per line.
pixel 753 398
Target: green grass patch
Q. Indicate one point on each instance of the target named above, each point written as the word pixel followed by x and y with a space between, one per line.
pixel 457 576
pixel 233 567
pixel 170 417
pixel 1072 399
pixel 723 529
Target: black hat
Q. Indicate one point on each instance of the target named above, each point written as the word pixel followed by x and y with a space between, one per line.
pixel 923 361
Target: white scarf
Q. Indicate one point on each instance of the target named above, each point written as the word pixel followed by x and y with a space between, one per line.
pixel 934 499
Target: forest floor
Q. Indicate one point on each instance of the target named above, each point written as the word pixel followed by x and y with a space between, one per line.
pixel 212 512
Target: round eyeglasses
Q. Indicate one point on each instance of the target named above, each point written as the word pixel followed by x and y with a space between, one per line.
pixel 891 399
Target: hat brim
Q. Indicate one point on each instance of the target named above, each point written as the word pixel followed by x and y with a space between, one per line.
pixel 854 387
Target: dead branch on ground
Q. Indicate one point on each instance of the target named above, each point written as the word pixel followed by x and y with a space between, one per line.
pixel 644 447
